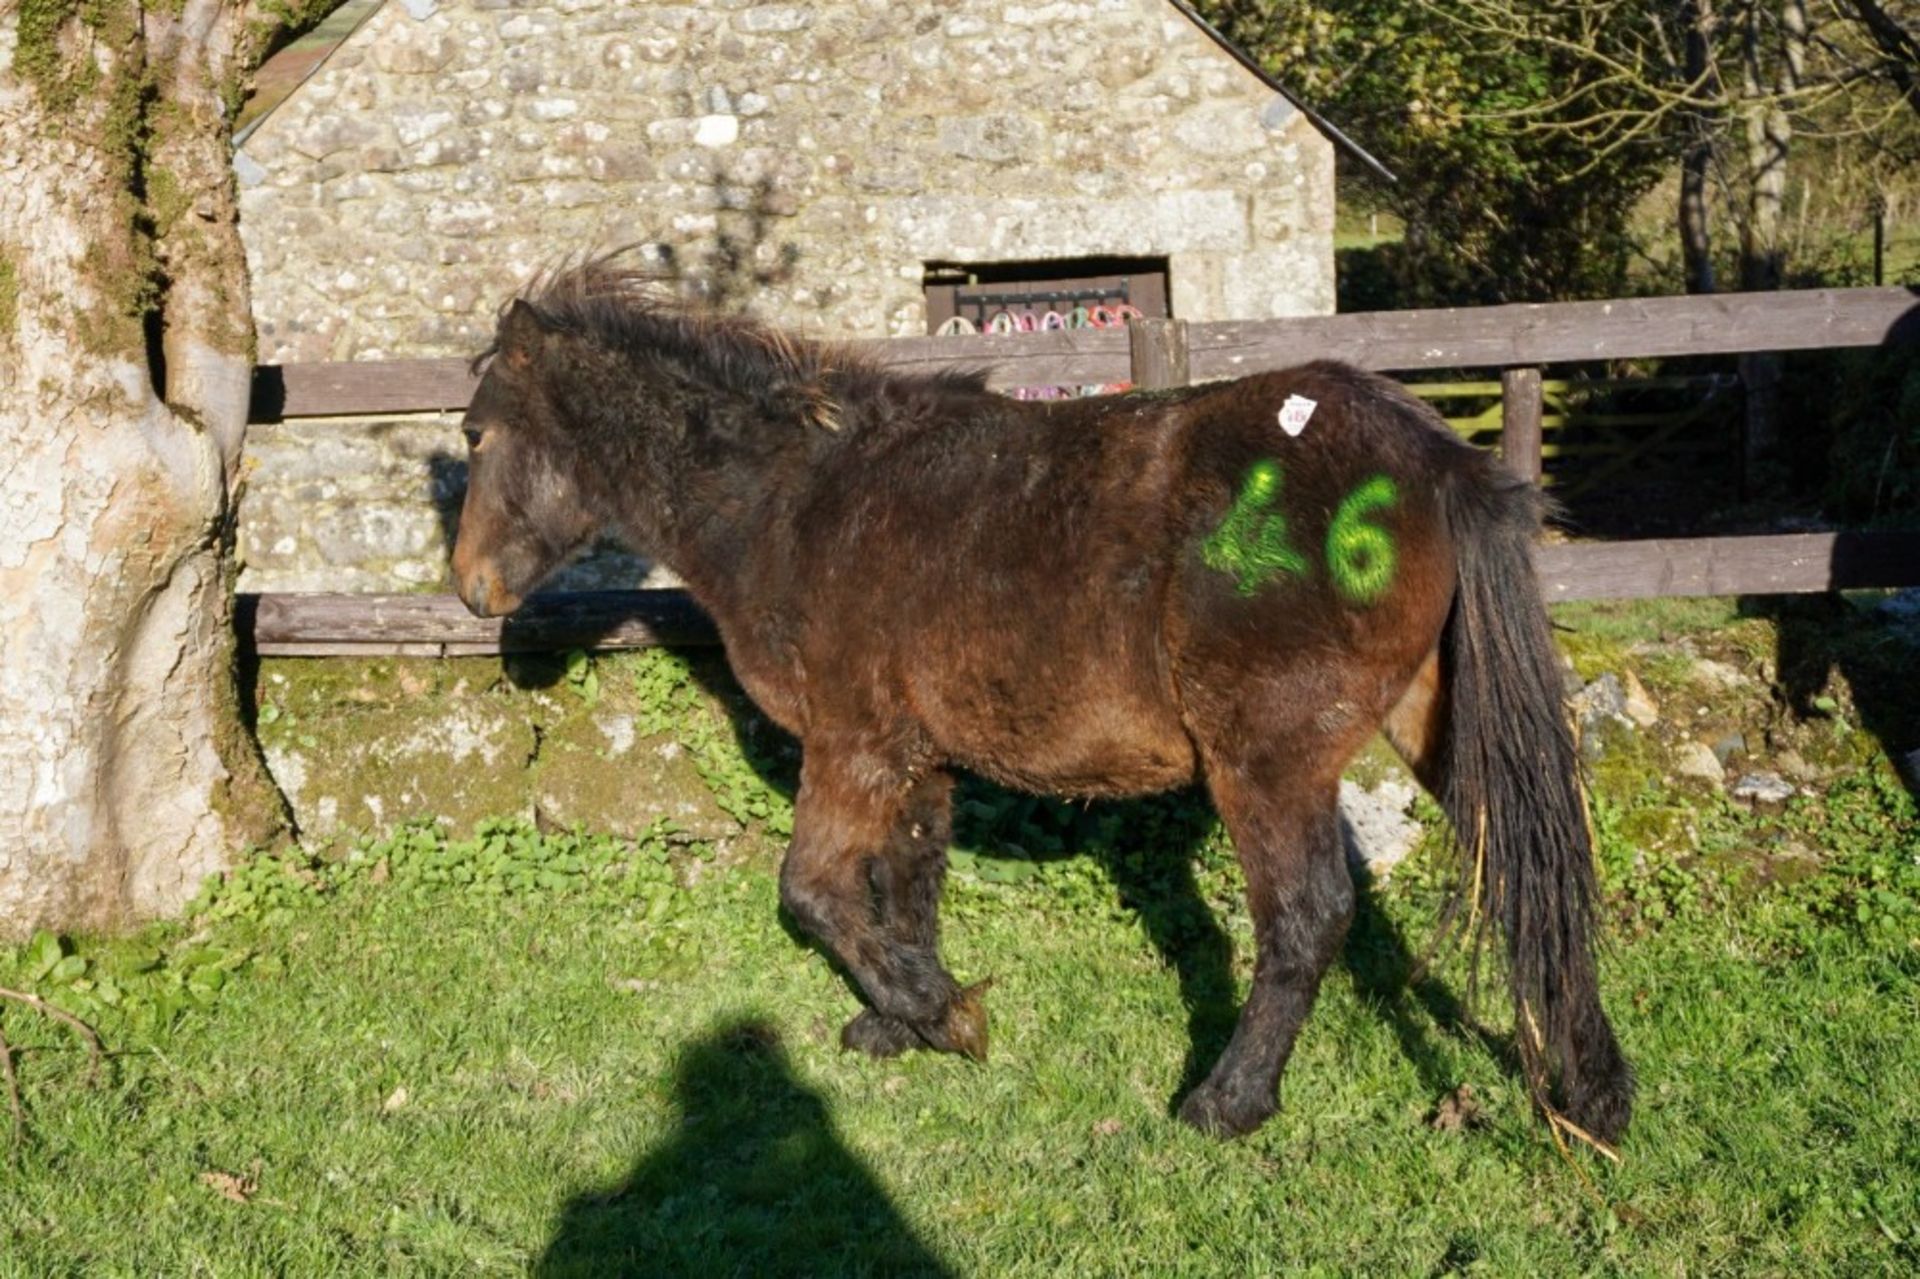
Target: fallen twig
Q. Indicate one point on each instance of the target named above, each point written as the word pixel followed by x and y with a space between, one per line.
pixel 13 1086
pixel 7 1071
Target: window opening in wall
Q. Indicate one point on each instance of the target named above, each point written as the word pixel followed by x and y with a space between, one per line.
pixel 1043 296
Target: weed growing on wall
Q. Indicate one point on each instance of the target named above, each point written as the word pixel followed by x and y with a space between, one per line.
pixel 732 761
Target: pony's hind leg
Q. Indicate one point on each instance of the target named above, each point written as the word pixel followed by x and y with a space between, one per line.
pixel 863 876
pixel 1274 730
pixel 1286 833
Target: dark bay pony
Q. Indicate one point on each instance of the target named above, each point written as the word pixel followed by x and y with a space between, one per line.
pixel 1236 583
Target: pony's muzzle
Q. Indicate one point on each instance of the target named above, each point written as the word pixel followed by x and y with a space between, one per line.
pixel 481 591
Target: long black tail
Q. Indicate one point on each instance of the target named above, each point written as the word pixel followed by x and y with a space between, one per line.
pixel 1511 787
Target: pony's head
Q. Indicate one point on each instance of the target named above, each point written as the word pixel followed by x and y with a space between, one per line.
pixel 526 510
pixel 606 407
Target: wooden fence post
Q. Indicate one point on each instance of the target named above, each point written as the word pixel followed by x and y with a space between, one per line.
pixel 1522 405
pixel 1159 351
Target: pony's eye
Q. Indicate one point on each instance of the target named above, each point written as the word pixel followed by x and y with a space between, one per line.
pixel 473 437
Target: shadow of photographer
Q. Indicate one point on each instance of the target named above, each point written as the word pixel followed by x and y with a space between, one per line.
pixel 755 1181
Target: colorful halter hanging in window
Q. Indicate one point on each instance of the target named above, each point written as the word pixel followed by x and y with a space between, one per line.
pixel 1002 312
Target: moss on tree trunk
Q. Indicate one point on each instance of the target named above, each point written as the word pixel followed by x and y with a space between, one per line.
pixel 125 357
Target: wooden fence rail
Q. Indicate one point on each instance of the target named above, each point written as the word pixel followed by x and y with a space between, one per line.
pixel 1566 332
pixel 1516 340
pixel 367 625
pixel 1401 341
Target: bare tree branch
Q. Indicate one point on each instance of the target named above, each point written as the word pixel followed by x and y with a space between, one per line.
pixel 1901 46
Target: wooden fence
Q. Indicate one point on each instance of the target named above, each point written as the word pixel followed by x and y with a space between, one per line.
pixel 1590 447
pixel 1516 340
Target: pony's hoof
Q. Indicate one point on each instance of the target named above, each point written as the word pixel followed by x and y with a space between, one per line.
pixel 964 1029
pixel 878 1035
pixel 1214 1112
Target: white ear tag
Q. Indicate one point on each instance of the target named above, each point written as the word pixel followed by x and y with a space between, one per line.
pixel 1295 412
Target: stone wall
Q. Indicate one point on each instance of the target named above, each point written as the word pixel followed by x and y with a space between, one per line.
pixel 364 745
pixel 446 151
pixel 371 506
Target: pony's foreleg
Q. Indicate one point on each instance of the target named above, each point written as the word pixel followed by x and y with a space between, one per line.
pixel 863 875
pixel 907 879
pixel 1287 837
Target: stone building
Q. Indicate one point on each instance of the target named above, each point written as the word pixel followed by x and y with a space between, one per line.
pixel 830 165
pixel 444 149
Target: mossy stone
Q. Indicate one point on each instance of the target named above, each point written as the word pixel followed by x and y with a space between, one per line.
pixel 365 744
pixel 596 770
pixel 362 745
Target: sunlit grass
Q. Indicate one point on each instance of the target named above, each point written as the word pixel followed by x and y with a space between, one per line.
pixel 576 1055
pixel 460 1084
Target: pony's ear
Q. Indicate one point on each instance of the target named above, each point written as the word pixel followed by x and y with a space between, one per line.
pixel 523 332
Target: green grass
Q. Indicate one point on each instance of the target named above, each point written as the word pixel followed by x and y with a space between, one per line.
pixel 1355 228
pixel 553 1051
pixel 1627 621
pixel 576 1055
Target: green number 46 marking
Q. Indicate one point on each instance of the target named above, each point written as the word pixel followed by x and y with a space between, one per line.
pixel 1251 542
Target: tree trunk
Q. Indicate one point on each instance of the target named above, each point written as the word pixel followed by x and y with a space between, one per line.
pixel 1696 237
pixel 1696 161
pixel 126 774
pixel 1769 131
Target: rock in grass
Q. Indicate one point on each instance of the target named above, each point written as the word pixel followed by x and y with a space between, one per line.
pixel 1602 700
pixel 1763 788
pixel 1796 769
pixel 1717 674
pixel 1599 705
pixel 1375 826
pixel 1698 761
pixel 1638 705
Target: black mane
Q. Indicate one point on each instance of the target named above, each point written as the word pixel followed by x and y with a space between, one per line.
pixel 629 310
